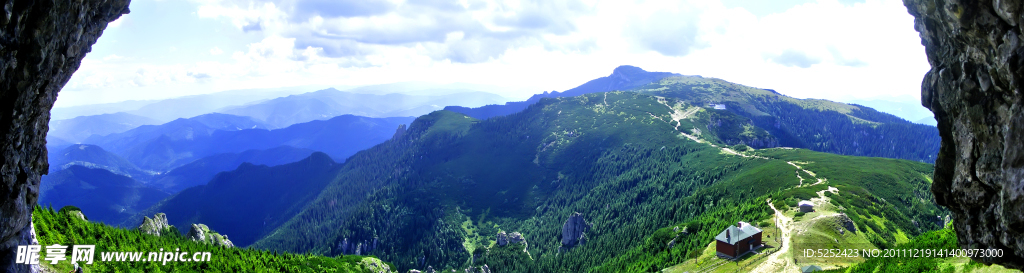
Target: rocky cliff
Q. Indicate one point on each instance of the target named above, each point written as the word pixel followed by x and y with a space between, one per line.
pixel 42 42
pixel 974 88
pixel 202 233
pixel 574 231
pixel 155 225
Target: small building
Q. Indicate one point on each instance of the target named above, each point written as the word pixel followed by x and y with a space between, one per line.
pixel 737 240
pixel 810 268
pixel 716 106
pixel 806 206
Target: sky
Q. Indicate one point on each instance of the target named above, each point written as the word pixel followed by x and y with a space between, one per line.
pixel 830 49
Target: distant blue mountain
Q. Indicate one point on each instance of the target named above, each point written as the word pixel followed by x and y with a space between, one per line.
pixel 226 122
pixel 102 195
pixel 250 201
pixel 95 157
pixel 181 107
pixel 906 108
pixel 80 128
pixel 200 172
pixel 329 103
pixel 167 146
pixel 622 78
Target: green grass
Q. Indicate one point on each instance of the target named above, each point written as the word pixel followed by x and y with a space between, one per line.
pixel 61 227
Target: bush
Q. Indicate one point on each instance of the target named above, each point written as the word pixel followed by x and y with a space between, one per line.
pixel 798 214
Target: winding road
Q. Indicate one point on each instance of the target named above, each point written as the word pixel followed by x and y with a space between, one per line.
pixel 777 261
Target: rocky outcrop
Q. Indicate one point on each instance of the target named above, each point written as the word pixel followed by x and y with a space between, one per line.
pixel 202 233
pixel 155 225
pixel 352 247
pixel 574 231
pixel 974 87
pixel 375 265
pixel 42 42
pixel 400 132
pixel 845 224
pixel 479 269
pixel 511 238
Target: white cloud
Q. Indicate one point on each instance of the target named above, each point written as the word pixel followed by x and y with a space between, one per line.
pixel 821 49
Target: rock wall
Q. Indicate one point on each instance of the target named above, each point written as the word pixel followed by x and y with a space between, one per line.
pixel 574 231
pixel 155 225
pixel 42 42
pixel 974 88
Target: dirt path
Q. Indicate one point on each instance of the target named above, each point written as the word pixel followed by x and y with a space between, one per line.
pixel 778 262
pixel 800 168
pixel 678 115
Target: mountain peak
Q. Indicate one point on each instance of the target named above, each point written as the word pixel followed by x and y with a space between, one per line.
pixel 627 70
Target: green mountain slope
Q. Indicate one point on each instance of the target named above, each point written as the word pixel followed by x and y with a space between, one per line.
pixel 436 194
pixel 818 125
pixel 761 118
pixel 64 227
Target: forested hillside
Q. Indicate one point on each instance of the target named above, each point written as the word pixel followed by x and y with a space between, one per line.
pixel 629 163
pixel 247 202
pixel 65 228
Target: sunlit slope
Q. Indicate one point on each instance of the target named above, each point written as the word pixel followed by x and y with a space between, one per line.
pixel 629 162
pixel 815 124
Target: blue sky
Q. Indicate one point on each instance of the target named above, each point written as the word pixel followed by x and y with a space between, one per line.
pixel 822 49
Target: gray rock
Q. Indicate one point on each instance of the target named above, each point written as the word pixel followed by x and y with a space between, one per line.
pixel 846 223
pixel 354 247
pixel 202 233
pixel 511 238
pixel 43 43
pixel 574 231
pixel 974 89
pixel 480 269
pixel 155 225
pixel 78 214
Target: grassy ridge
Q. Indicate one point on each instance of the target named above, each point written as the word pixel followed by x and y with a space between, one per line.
pixel 64 228
pixel 818 125
pixel 615 157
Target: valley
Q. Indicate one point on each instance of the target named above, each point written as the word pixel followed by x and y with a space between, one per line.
pixel 628 180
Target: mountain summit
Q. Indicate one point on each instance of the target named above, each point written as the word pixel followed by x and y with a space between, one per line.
pixel 622 78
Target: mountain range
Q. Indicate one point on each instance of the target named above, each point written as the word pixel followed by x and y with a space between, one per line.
pixel 76 130
pixel 271 195
pixel 597 178
pixel 328 103
pixel 622 78
pixel 167 146
pixel 107 197
pixel 769 118
pixel 629 162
